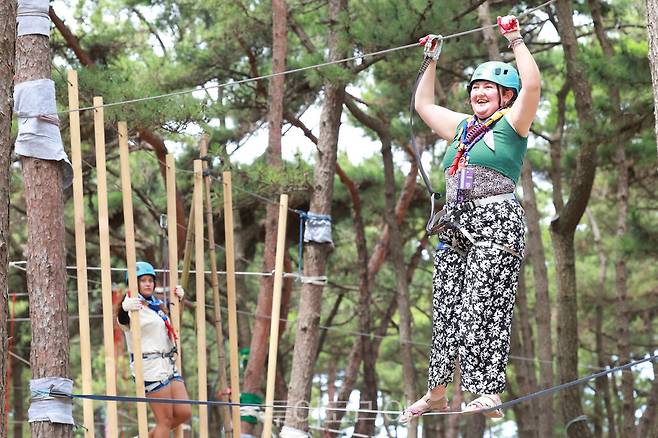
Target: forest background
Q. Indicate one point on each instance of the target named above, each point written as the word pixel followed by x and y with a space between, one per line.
pixel 588 296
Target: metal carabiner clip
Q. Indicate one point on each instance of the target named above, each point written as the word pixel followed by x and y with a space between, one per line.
pixel 433 45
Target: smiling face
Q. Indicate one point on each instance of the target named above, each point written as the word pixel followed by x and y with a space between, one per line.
pixel 146 285
pixel 485 98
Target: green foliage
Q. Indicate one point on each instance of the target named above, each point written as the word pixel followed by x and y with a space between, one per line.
pixel 143 48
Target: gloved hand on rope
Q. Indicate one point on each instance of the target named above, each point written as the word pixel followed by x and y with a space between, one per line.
pixel 433 44
pixel 509 27
pixel 131 303
pixel 180 292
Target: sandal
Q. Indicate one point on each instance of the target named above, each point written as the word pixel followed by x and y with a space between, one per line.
pixel 484 403
pixel 422 406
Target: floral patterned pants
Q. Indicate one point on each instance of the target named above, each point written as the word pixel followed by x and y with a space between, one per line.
pixel 474 289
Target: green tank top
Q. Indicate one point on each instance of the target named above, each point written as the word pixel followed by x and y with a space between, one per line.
pixel 505 155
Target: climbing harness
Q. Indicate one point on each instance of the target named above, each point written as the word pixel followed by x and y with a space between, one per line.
pixel 458 210
pixel 433 45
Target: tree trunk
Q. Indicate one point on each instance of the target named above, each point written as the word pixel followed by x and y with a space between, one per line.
pixel 7 57
pixel 649 421
pixel 452 422
pixel 623 319
pixel 46 256
pixel 564 226
pixel 18 396
pixel 522 344
pixel 489 33
pixel 652 31
pixel 315 256
pixel 396 251
pixel 475 426
pixel 261 331
pixel 365 421
pixel 622 313
pixel 543 305
pixel 602 387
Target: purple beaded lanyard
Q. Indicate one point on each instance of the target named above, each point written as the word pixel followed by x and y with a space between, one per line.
pixel 473 132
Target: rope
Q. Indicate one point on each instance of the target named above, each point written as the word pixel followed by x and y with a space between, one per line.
pixel 310 279
pixel 272 75
pixel 54 393
pixel 563 386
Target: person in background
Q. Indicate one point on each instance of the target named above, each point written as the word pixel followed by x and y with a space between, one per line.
pixel 161 378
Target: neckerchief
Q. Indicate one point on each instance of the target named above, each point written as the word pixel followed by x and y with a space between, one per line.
pixel 158 307
pixel 471 134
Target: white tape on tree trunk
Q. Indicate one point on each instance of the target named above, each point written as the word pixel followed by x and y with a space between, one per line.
pixel 45 407
pixel 32 17
pixel 39 137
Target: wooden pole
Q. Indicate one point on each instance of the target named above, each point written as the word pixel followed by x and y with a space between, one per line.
pixel 231 303
pixel 187 255
pixel 81 253
pixel 131 261
pixel 172 239
pixel 200 297
pixel 214 280
pixel 274 321
pixel 106 277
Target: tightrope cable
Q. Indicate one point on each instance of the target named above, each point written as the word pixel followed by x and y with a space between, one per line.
pixel 551 390
pixel 272 75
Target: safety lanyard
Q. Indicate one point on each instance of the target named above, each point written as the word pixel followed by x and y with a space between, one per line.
pixel 471 134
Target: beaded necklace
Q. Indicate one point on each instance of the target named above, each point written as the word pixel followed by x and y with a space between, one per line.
pixel 470 135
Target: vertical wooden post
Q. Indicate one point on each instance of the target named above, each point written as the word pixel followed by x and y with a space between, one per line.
pixel 274 321
pixel 131 261
pixel 231 303
pixel 187 254
pixel 200 297
pixel 80 253
pixel 106 277
pixel 172 239
pixel 219 334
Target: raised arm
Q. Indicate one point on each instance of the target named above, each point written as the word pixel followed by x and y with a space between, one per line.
pixel 524 108
pixel 441 120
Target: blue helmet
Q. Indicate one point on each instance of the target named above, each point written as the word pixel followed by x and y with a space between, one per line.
pixel 143 268
pixel 499 73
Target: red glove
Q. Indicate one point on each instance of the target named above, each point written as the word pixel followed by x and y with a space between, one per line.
pixel 509 27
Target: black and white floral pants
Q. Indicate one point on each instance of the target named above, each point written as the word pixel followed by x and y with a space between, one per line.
pixel 474 289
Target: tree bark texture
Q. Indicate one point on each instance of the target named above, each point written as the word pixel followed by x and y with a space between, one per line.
pixel 396 251
pixel 523 345
pixel 46 256
pixel 489 33
pixel 602 386
pixel 366 422
pixel 652 32
pixel 7 58
pixel 649 420
pixel 18 397
pixel 537 258
pixel 621 272
pixel 261 330
pixel 564 225
pixel 623 317
pixel 315 255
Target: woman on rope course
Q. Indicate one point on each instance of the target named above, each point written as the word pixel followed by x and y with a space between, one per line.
pixel 161 378
pixel 481 233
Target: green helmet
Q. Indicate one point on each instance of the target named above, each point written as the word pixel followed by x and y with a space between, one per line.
pixel 499 73
pixel 143 268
